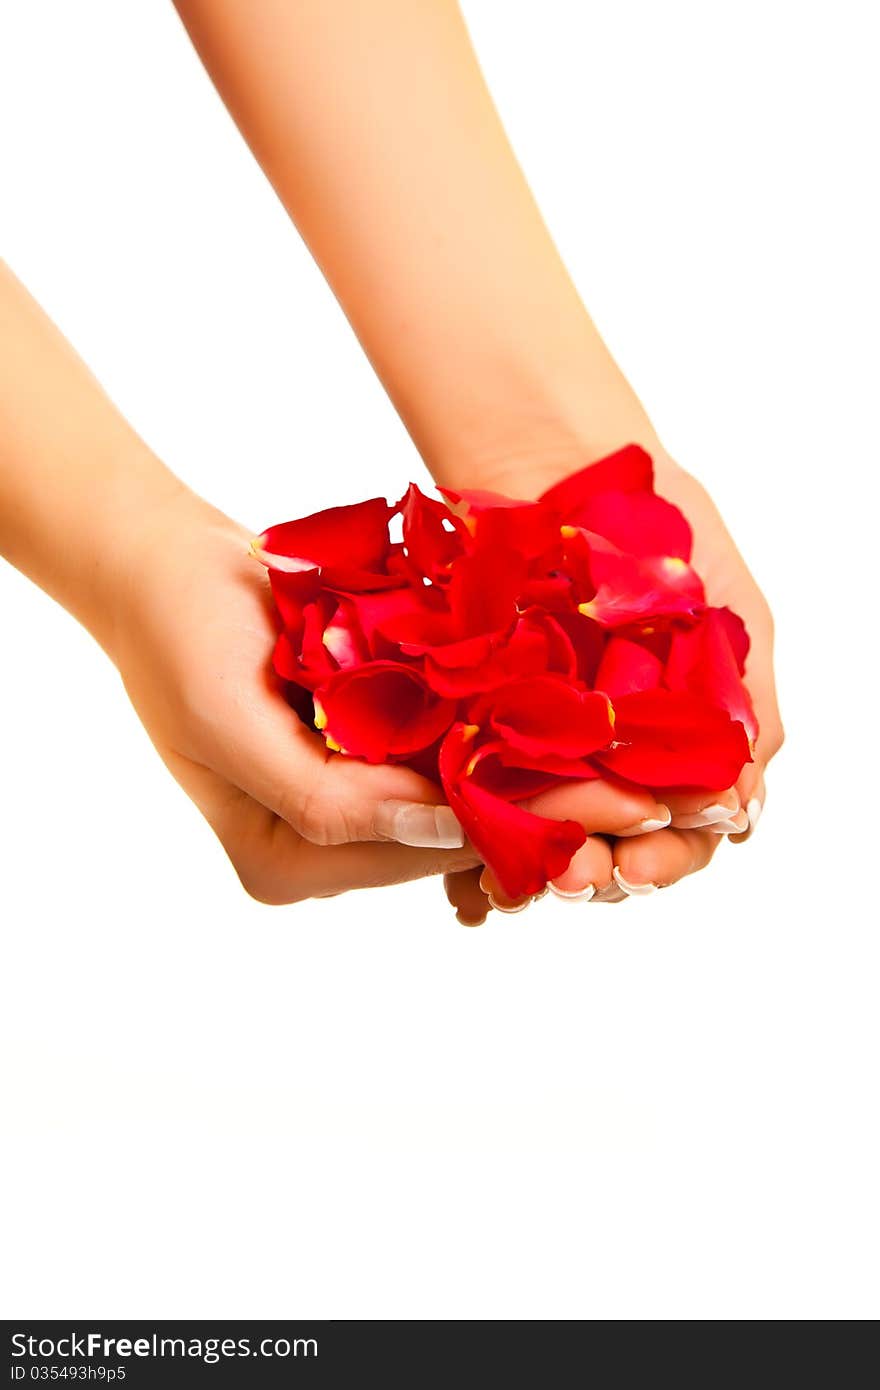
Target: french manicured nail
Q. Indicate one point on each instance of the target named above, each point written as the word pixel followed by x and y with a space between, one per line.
pixel 709 815
pixel 509 908
pixel 753 811
pixel 734 826
pixel 644 827
pixel 543 893
pixel 634 890
pixel 576 895
pixel 424 827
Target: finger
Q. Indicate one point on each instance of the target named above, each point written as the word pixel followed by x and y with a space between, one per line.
pixel 498 899
pixel 276 865
pixel 602 806
pixel 692 810
pixel 589 874
pixel 255 741
pixel 753 808
pixel 654 861
pixel 463 890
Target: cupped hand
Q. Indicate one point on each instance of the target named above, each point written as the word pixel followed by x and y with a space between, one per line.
pixel 193 637
pixel 639 841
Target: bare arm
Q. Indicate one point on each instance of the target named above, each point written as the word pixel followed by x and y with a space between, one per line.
pixel 376 127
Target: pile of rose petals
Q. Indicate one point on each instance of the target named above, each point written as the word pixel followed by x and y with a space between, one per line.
pixel 504 647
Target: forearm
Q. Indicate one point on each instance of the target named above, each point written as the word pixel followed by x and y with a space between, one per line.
pixel 76 483
pixel 377 130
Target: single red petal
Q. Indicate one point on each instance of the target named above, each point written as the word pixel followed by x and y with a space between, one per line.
pixel 704 660
pixel 528 528
pixel 544 715
pixel 665 738
pixel 523 850
pixel 285 660
pixel 737 635
pixel 492 769
pixel 432 536
pixel 475 499
pixel 381 711
pixel 639 522
pixel 348 545
pixel 645 589
pixel 626 667
pixel 507 771
pixel 291 593
pixel 628 470
pixel 483 590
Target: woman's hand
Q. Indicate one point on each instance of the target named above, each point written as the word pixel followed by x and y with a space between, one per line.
pixel 679 836
pixel 193 635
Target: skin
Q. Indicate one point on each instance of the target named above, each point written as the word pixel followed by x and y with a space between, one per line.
pixel 377 130
pixel 375 126
pixel 165 583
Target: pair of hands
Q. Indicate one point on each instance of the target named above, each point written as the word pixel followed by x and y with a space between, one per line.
pixel 192 639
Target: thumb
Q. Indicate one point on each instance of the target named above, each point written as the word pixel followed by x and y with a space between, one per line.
pixel 328 798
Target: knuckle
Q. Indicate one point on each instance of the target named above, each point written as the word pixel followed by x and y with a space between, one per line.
pixel 314 820
pixel 324 819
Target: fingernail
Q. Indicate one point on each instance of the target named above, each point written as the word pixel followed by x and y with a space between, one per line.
pixel 580 895
pixel 509 908
pixel 753 812
pixel 644 827
pixel 734 826
pixel 423 827
pixel 709 815
pixel 543 893
pixel 634 890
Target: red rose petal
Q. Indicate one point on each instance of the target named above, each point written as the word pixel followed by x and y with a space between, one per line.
pixel 639 588
pixel 381 710
pixel 704 660
pixel 433 537
pixel 348 545
pixel 664 738
pixel 627 667
pixel 640 523
pixel 628 470
pixel 522 849
pixel 543 715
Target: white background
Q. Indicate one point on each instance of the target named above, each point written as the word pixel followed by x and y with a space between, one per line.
pixel 666 1109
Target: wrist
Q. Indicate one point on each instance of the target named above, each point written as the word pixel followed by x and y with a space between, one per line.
pixel 159 526
pixel 525 455
pixel 530 413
